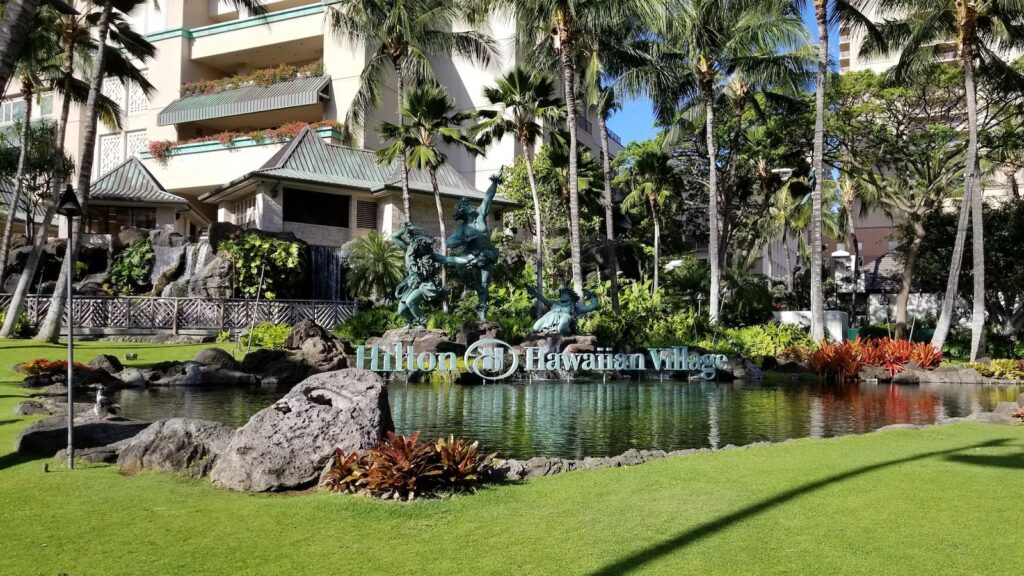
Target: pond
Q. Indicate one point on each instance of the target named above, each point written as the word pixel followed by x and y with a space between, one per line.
pixel 577 419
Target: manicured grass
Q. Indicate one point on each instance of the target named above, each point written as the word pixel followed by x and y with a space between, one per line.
pixel 945 500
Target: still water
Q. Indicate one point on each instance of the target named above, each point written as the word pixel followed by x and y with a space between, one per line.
pixel 573 420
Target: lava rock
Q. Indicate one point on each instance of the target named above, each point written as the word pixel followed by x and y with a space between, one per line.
pixel 873 373
pixel 214 280
pixel 196 374
pixel 320 350
pixel 474 331
pixel 165 238
pixel 168 265
pixel 128 237
pixel 274 367
pixel 419 339
pixel 951 374
pixel 107 362
pixel 287 445
pixel 47 437
pixel 216 357
pixel 741 369
pixel 178 445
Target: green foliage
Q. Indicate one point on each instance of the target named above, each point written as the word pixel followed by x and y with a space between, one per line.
pixel 277 262
pixel 761 341
pixel 267 335
pixel 1003 369
pixel 22 328
pixel 131 270
pixel 368 323
pixel 644 320
pixel 403 468
pixel 750 301
pixel 512 308
pixel 375 268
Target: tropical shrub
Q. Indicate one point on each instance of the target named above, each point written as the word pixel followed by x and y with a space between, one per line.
pixel 262 77
pixel 375 268
pixel 403 468
pixel 843 360
pixel 46 366
pixel 368 323
pixel 765 340
pixel 131 270
pixel 161 150
pixel 1003 369
pixel 258 258
pixel 267 335
pixel 22 328
pixel 750 301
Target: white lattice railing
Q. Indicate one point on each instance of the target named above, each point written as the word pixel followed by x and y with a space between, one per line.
pixel 165 313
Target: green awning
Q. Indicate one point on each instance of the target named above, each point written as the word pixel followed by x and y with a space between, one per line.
pixel 245 100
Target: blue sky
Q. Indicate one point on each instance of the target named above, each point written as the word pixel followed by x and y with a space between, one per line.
pixel 636 121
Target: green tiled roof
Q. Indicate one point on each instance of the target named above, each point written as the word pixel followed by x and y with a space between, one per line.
pixel 131 181
pixel 244 100
pixel 307 158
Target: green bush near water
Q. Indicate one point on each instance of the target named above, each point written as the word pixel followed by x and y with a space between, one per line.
pixel 266 335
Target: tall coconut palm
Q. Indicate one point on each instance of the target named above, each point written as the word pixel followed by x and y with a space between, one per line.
pixel 112 26
pixel 984 33
pixel 703 44
pixel 17 25
pixel 400 37
pixel 76 35
pixel 648 178
pixel 558 25
pixel 39 61
pixel 430 121
pixel 521 99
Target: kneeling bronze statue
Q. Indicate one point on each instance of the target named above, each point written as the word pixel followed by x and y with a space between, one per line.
pixel 563 314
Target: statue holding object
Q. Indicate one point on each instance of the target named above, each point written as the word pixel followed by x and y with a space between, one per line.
pixel 423 273
pixel 476 261
pixel 563 314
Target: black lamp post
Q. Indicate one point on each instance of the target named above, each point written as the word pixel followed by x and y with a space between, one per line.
pixel 70 208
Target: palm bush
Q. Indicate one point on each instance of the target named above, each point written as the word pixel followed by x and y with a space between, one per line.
pixel 375 267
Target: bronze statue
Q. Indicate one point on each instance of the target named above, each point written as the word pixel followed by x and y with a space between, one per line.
pixel 423 270
pixel 479 254
pixel 563 314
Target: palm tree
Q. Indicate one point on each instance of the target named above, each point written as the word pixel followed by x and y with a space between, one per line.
pixel 375 267
pixel 114 27
pixel 521 98
pixel 17 25
pixel 558 25
pixel 982 32
pixel 827 13
pixel 402 35
pixel 79 46
pixel 705 43
pixel 648 178
pixel 39 57
pixel 432 120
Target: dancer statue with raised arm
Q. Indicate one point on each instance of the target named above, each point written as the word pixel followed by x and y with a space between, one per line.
pixel 478 254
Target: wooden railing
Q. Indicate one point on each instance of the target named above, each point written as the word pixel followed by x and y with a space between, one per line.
pixel 159 313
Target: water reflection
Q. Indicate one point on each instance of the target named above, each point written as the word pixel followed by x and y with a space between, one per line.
pixel 574 420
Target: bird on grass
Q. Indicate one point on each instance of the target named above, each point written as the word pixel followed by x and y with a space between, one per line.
pixel 104 407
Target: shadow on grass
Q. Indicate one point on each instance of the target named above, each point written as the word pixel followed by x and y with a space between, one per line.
pixel 11 421
pixel 1014 461
pixel 682 540
pixel 13 459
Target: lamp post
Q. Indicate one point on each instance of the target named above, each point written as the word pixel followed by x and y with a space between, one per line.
pixel 70 208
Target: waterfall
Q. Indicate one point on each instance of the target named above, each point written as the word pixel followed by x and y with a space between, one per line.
pixel 327 272
pixel 197 255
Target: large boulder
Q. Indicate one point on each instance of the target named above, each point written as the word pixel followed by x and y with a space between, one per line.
pixel 473 331
pixel 168 264
pixel 46 437
pixel 214 280
pixel 166 238
pixel 107 362
pixel 274 367
pixel 216 357
pixel 179 445
pixel 287 445
pixel 951 374
pixel 196 374
pixel 318 348
pixel 94 285
pixel 127 237
pixel 419 339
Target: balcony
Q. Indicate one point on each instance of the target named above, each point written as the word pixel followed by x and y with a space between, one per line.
pixel 191 169
pixel 291 35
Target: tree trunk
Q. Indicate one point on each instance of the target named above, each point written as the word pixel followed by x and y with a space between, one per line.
pixel 441 227
pixel 19 180
pixel 14 30
pixel 953 280
pixel 405 156
pixel 903 299
pixel 977 214
pixel 566 55
pixel 609 215
pixel 714 258
pixel 49 331
pixel 538 226
pixel 25 282
pixel 817 295
pixel 657 242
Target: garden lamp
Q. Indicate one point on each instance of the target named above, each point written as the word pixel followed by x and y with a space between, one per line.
pixel 70 208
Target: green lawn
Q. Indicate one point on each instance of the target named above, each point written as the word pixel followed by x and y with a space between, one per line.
pixel 945 500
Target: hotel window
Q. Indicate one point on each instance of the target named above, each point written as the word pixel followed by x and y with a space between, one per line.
pixel 130 98
pixel 13 109
pixel 366 215
pixel 113 219
pixel 244 212
pixel 305 207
